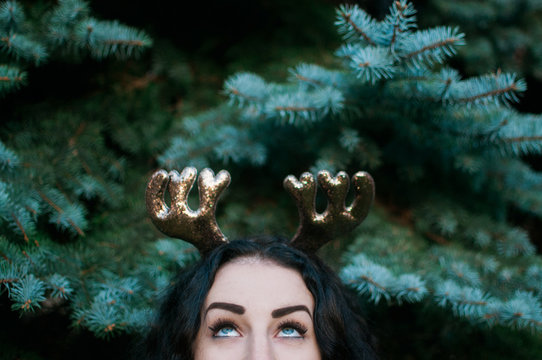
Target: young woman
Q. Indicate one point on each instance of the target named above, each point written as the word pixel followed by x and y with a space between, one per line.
pixel 263 298
pixel 258 299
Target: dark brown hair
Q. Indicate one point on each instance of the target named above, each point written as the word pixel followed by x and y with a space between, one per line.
pixel 340 332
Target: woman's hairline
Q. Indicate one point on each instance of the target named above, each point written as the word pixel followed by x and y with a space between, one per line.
pixel 257 258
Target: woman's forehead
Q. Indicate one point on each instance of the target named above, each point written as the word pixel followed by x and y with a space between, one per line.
pixel 252 280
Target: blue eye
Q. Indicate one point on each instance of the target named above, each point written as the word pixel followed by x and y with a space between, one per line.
pixel 292 330
pixel 289 332
pixel 226 331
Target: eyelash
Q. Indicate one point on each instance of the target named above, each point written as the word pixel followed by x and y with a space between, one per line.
pixel 222 323
pixel 297 326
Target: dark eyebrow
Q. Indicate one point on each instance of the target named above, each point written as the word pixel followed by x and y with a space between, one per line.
pixel 234 308
pixel 288 310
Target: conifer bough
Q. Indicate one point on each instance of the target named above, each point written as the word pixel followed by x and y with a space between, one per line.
pixel 66 30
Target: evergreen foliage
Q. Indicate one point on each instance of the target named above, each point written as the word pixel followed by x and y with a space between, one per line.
pixel 446 153
pixel 58 170
pixel 54 249
pixel 63 31
pixel 502 34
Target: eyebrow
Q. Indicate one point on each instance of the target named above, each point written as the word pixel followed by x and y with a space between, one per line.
pixel 234 308
pixel 277 313
pixel 238 309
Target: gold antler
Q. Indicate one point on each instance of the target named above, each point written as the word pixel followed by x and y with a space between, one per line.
pixel 197 227
pixel 317 229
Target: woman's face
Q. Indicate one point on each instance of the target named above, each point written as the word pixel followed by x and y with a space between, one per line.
pixel 257 309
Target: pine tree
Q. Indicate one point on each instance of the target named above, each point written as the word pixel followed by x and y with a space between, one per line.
pixel 445 151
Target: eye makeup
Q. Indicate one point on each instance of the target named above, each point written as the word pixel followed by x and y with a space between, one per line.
pixel 299 330
pixel 221 324
pixel 294 325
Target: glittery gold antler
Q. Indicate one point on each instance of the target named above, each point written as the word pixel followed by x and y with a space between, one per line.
pixel 197 227
pixel 317 229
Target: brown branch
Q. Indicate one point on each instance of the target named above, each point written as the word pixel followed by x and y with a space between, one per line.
pixel 361 32
pixel 124 42
pixel 89 270
pixel 20 226
pixel 437 238
pixel 520 315
pixel 28 257
pixel 489 93
pixel 9 280
pixel 50 202
pixel 480 303
pixel 432 46
pixel 396 27
pixel 109 245
pixel 7 40
pixel 140 82
pixel 5 257
pixel 7 78
pixel 371 281
pixel 294 108
pixel 303 78
pixel 238 93
pixel 448 82
pixel 490 316
pixel 523 138
pixel 60 211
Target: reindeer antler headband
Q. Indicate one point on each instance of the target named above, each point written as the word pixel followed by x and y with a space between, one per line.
pixel 200 228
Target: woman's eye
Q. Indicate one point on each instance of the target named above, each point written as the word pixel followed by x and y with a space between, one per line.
pixel 289 332
pixel 226 331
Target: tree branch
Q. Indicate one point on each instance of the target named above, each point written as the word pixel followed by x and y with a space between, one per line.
pixel 60 211
pixel 432 46
pixel 489 93
pixel 361 32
